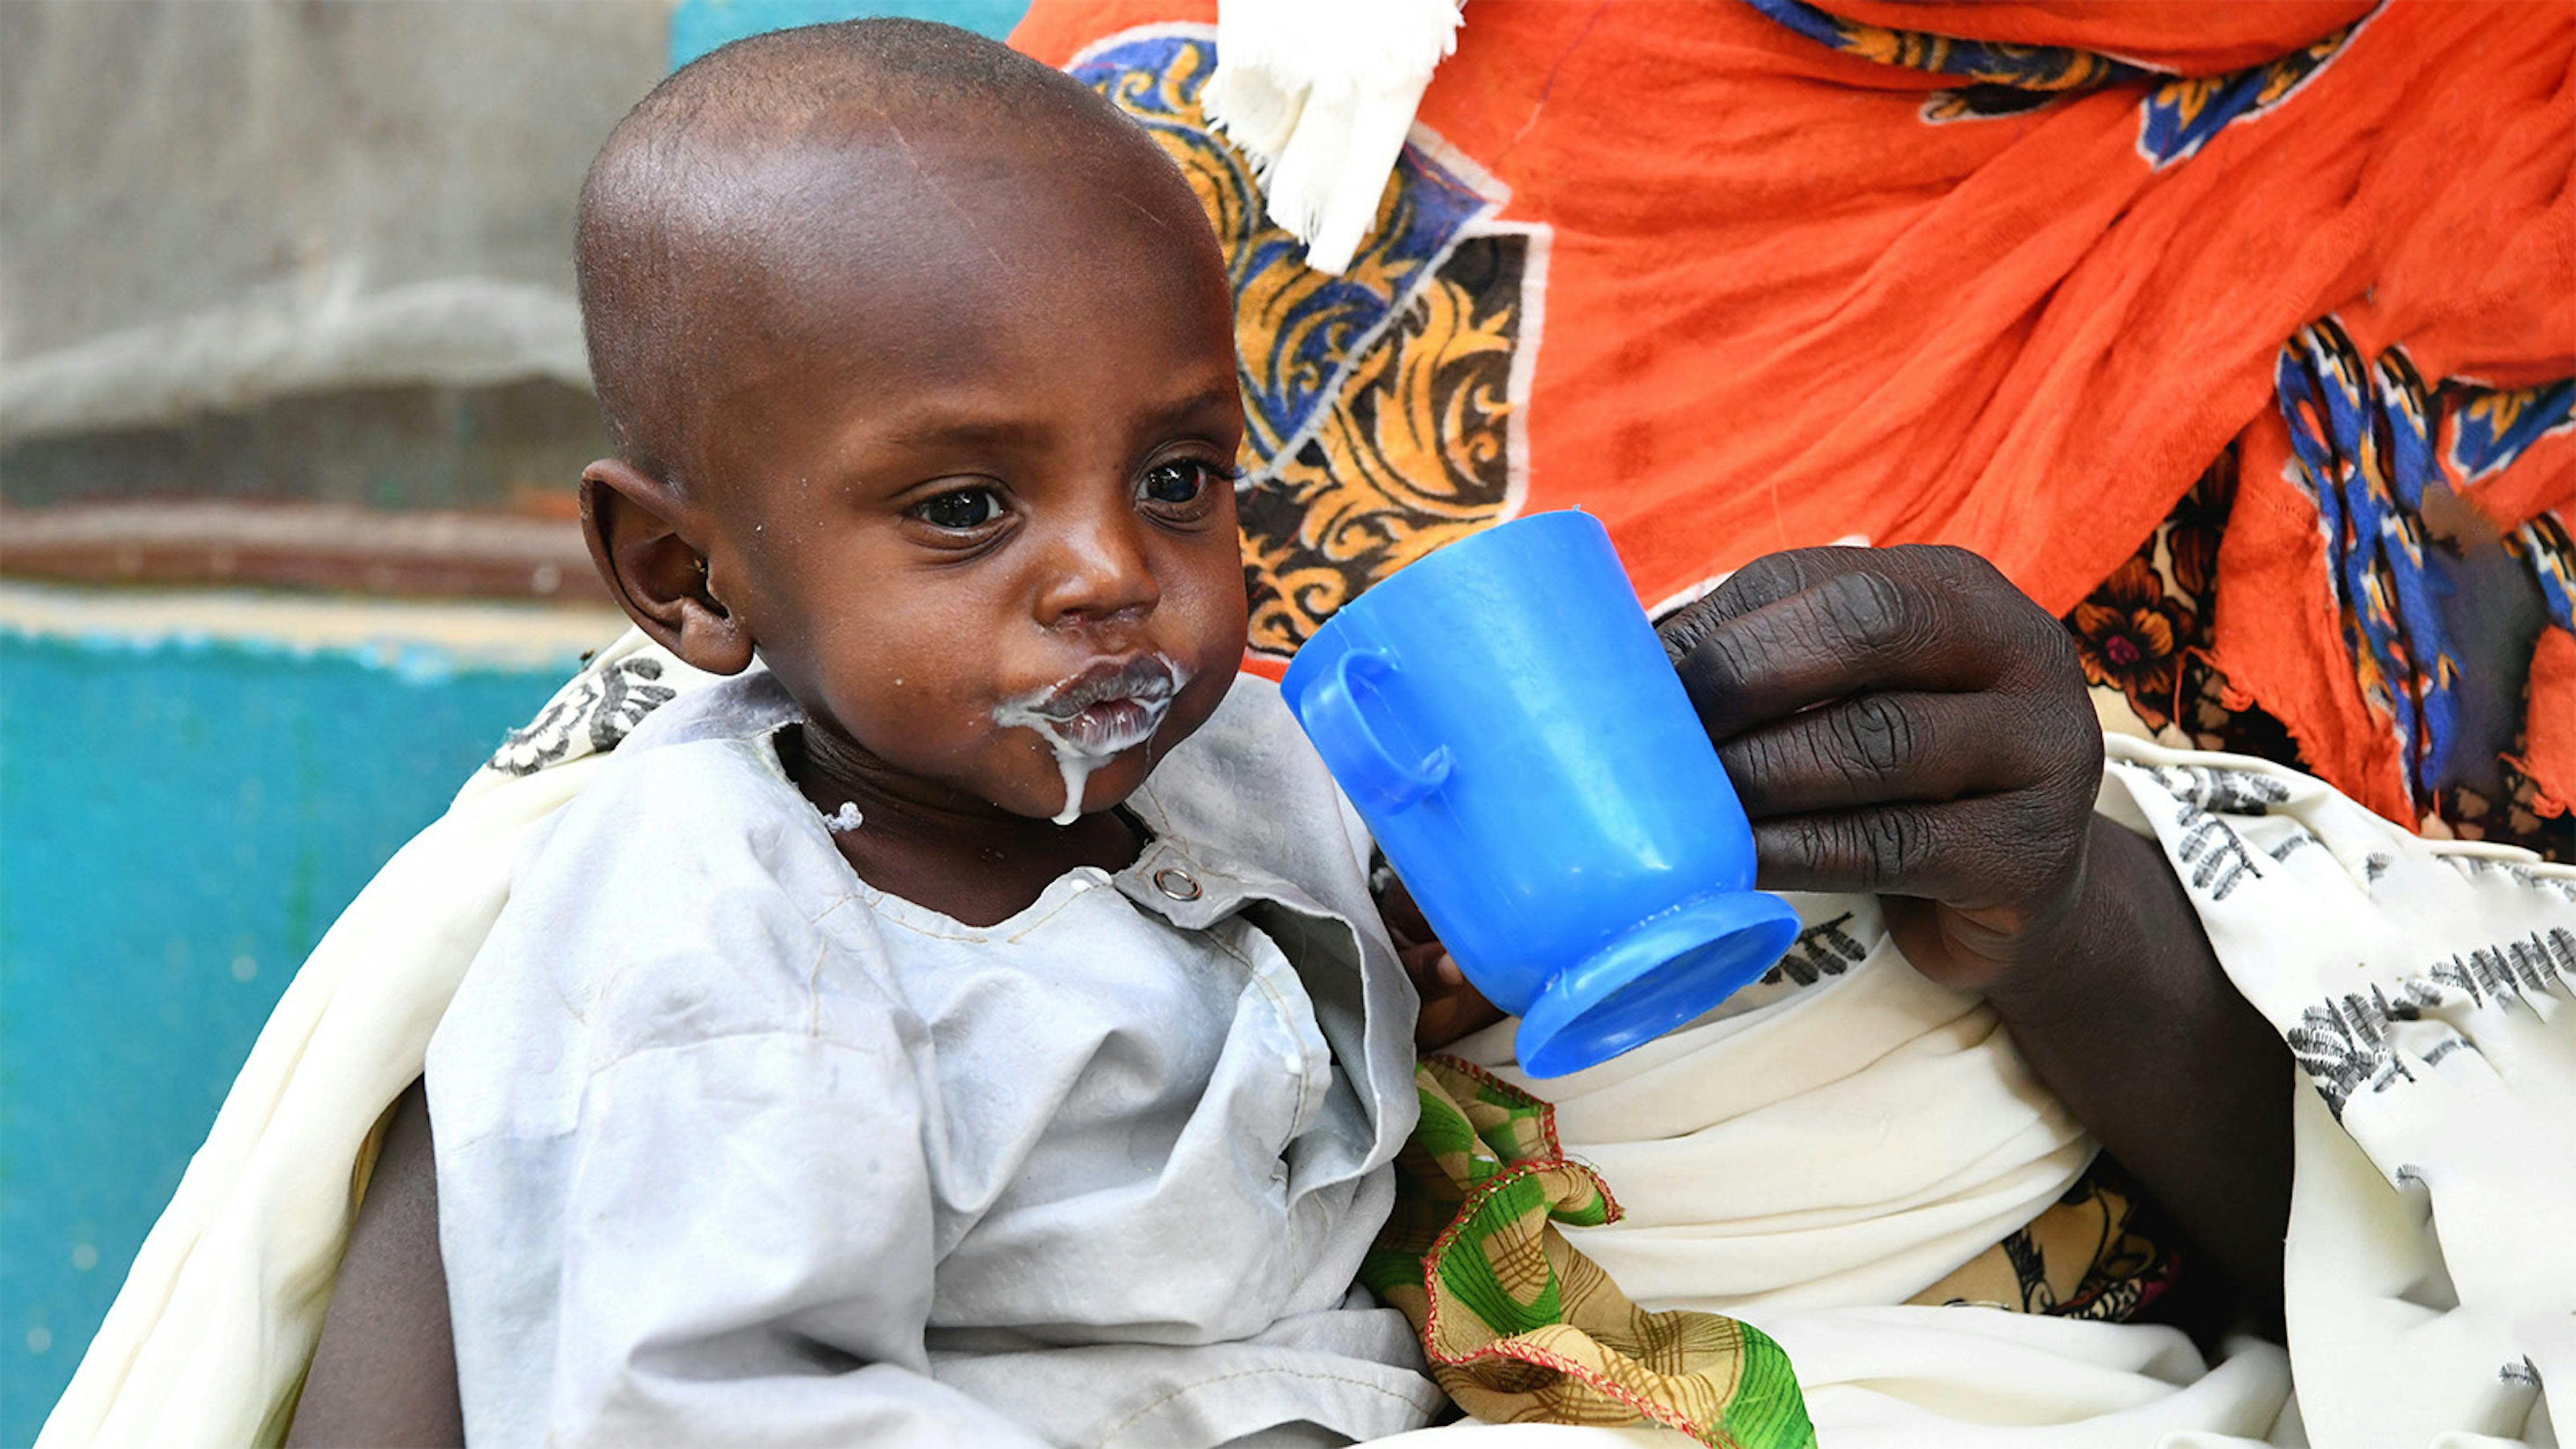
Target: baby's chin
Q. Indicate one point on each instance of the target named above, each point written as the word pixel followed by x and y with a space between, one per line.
pixel 1095 784
pixel 1079 787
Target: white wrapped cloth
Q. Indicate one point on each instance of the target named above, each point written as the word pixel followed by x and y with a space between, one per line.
pixel 1807 1160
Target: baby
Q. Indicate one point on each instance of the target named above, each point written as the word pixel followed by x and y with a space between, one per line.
pixel 970 1023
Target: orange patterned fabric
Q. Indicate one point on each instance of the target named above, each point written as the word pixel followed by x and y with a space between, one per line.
pixel 1744 276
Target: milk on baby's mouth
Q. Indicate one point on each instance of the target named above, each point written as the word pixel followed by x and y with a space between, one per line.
pixel 1086 738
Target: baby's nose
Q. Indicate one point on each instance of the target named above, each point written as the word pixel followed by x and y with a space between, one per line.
pixel 1101 576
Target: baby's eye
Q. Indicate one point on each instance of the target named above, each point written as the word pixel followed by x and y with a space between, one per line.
pixel 961 510
pixel 1178 482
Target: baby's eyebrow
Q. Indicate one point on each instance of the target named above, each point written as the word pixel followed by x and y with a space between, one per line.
pixel 933 427
pixel 1220 394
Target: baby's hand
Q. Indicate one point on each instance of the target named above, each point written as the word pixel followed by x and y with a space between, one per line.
pixel 1450 1007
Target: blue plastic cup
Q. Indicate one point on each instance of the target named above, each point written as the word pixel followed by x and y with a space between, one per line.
pixel 1509 727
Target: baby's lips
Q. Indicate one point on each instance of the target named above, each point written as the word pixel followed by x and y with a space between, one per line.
pixel 1141 678
pixel 1118 725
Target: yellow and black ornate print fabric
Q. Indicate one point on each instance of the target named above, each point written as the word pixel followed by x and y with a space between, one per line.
pixel 1380 404
pixel 2103 1251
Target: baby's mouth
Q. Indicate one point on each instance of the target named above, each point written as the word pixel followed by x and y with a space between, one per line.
pixel 1113 705
pixel 1111 726
pixel 1105 711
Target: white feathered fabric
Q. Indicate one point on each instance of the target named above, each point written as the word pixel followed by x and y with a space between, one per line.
pixel 1320 94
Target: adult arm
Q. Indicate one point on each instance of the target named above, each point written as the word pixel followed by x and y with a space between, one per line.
pixel 385 1369
pixel 1904 721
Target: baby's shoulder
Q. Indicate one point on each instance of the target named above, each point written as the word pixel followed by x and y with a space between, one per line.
pixel 720 812
pixel 700 777
pixel 679 898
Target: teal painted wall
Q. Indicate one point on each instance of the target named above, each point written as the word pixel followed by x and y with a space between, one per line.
pixel 698 26
pixel 178 825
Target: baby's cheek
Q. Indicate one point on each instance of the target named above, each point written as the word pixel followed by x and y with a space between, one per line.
pixel 1219 630
pixel 911 726
pixel 1205 578
pixel 1197 701
pixel 968 753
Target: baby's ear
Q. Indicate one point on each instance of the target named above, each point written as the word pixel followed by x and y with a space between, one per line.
pixel 634 524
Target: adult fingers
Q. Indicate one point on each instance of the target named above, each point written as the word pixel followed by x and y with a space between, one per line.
pixel 1876 747
pixel 1851 620
pixel 1777 576
pixel 1766 580
pixel 1973 854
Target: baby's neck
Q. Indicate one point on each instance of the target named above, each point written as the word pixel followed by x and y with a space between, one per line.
pixel 970 861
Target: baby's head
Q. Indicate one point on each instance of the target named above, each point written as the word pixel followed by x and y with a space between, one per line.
pixel 919 363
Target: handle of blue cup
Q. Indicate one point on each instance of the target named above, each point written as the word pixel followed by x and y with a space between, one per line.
pixel 1360 759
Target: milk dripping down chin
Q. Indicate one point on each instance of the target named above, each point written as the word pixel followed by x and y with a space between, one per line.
pixel 1096 715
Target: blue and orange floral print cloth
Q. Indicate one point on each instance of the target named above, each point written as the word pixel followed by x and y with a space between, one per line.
pixel 1761 274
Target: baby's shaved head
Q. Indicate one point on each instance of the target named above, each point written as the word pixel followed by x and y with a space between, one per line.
pixel 765 193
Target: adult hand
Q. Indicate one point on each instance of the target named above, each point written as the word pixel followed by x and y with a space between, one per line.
pixel 1904 721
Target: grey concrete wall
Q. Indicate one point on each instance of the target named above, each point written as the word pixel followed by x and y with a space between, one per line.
pixel 215 204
